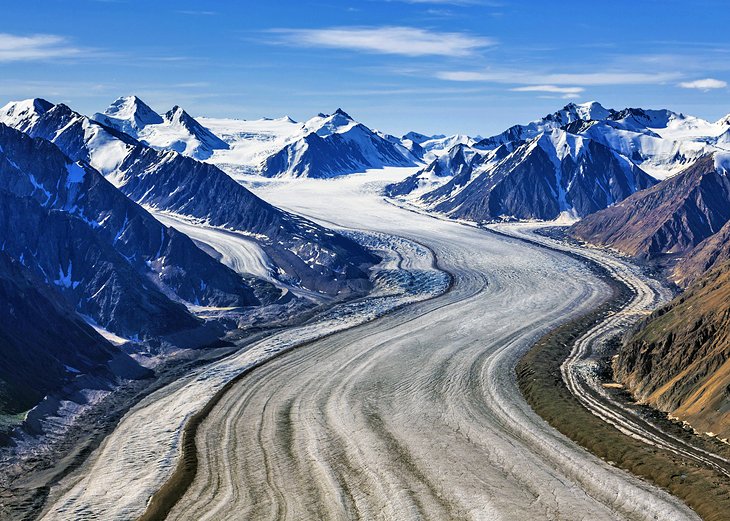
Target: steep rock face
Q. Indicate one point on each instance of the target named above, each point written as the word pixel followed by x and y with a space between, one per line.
pixel 553 173
pixel 308 254
pixel 707 255
pixel 679 359
pixel 40 331
pixel 671 217
pixel 333 145
pixel 114 261
pixel 94 278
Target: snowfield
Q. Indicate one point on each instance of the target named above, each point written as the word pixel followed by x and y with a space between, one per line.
pixel 238 252
pixel 412 414
pixel 250 141
pixel 141 452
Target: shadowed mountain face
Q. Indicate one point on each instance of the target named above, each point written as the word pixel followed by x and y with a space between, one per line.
pixel 599 157
pixel 333 145
pixel 105 254
pixel 459 163
pixel 671 217
pixel 308 254
pixel 46 345
pixel 551 174
pixel 679 359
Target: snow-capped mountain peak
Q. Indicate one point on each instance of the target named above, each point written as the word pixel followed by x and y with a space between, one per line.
pixel 21 114
pixel 327 124
pixel 417 137
pixel 340 112
pixel 128 114
pixel 177 115
pixel 591 110
pixel 176 130
pixel 329 145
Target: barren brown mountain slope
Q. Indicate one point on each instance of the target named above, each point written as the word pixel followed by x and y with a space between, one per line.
pixel 671 217
pixel 679 360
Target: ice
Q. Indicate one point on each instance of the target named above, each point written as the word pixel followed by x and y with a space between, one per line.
pixel 238 252
pixel 140 454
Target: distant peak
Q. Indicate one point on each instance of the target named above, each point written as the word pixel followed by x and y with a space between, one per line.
pixel 177 113
pixel 282 119
pixel 128 102
pixel 132 110
pixel 341 112
pixel 37 105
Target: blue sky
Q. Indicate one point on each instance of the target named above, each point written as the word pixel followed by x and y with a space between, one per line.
pixel 470 66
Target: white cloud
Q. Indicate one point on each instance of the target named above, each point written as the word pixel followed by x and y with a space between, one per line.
pixel 705 84
pixel 550 88
pixel 37 47
pixel 406 41
pixel 585 79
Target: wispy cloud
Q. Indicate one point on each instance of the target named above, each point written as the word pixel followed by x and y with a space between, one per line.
pixel 405 41
pixel 560 79
pixel 549 88
pixel 704 84
pixel 14 48
pixel 567 92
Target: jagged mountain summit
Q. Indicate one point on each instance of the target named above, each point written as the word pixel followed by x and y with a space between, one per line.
pixel 327 145
pixel 570 114
pixel 429 148
pixel 555 173
pixel 175 130
pixel 332 145
pixel 304 253
pixel 574 162
pixel 661 142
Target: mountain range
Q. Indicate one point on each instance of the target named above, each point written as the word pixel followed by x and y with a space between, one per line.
pixel 305 253
pixel 92 276
pixel 83 201
pixel 652 184
pixel 574 162
pixel 174 130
